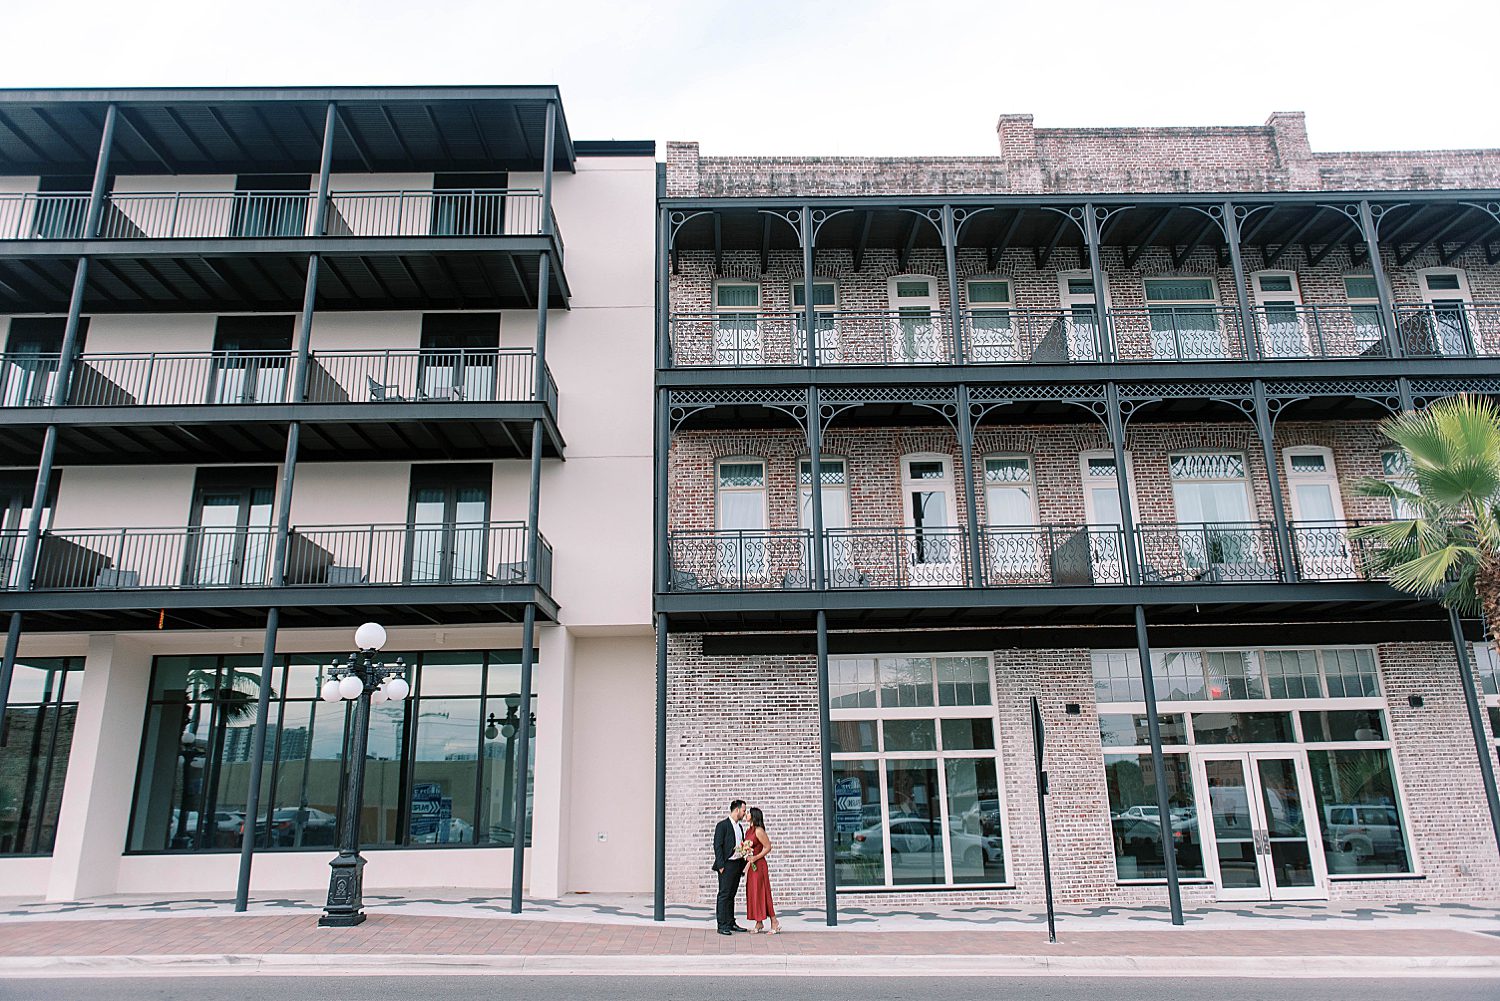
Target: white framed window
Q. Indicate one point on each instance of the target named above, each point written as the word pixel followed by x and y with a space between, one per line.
pixel 1319 534
pixel 918 787
pixel 1075 291
pixel 1101 507
pixel 1016 551
pixel 742 541
pixel 825 322
pixel 1487 664
pixel 992 330
pixel 917 331
pixel 840 546
pixel 1278 311
pixel 1217 535
pixel 1444 328
pixel 1184 314
pixel 1305 723
pixel 1363 296
pixel 934 544
pixel 737 334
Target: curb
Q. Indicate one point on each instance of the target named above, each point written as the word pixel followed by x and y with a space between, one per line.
pixel 343 964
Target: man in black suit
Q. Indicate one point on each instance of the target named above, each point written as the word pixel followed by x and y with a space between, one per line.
pixel 727 837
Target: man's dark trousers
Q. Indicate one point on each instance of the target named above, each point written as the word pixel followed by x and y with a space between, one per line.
pixel 729 889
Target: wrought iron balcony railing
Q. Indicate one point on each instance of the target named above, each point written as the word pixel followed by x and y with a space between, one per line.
pixel 1437 330
pixel 1034 336
pixel 1320 331
pixel 176 215
pixel 1328 550
pixel 1224 552
pixel 1053 555
pixel 865 337
pixel 162 378
pixel 319 555
pixel 1177 333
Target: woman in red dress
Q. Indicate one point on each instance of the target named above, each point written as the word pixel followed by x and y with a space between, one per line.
pixel 757 878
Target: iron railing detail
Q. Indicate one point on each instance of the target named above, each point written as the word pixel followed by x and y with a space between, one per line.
pixel 162 378
pixel 1053 555
pixel 1223 552
pixel 1177 333
pixel 446 212
pixel 1030 336
pixel 897 557
pixel 1437 330
pixel 740 560
pixel 205 557
pixel 35 215
pixel 843 337
pixel 1329 550
pixel 1320 331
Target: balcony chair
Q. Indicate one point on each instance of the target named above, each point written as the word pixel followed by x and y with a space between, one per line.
pixel 383 392
pixel 110 579
pixel 342 576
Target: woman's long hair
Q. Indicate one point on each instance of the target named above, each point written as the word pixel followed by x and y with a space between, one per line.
pixel 757 818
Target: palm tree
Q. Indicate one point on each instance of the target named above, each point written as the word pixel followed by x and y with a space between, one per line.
pixel 1449 542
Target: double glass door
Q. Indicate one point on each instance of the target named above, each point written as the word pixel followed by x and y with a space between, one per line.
pixel 449 538
pixel 230 542
pixel 1260 822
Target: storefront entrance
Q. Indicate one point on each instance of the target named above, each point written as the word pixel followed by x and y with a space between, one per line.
pixel 1263 838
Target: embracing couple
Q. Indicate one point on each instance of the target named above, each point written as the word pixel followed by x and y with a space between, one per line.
pixel 740 847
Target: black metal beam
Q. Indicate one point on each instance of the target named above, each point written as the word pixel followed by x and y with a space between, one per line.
pixel 442 142
pixel 904 253
pixel 357 141
pixel 1401 227
pixel 718 245
pixel 1293 237
pixel 1192 244
pixel 1152 231
pixel 1446 258
pixel 25 140
pixel 1002 242
pixel 859 246
pixel 1329 241
pixel 765 244
pixel 146 140
pixel 1432 237
pixel 521 282
pixel 1044 252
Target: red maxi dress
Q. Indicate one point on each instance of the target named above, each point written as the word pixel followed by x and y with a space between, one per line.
pixel 758 887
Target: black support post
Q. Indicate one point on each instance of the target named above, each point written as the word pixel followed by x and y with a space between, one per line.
pixel 549 153
pixel 520 826
pixel 1241 293
pixel 964 420
pixel 805 234
pixel 1265 430
pixel 1115 423
pixel 659 882
pixel 663 290
pixel 257 759
pixel 101 175
pixel 663 470
pixel 950 257
pixel 1096 270
pixel 1476 721
pixel 1371 231
pixel 1158 766
pixel 8 666
pixel 815 488
pixel 825 747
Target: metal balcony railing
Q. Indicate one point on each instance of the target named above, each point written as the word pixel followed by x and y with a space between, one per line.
pixel 161 378
pixel 1053 555
pixel 1328 550
pixel 1331 331
pixel 1030 336
pixel 176 215
pixel 874 337
pixel 740 560
pixel 897 557
pixel 1226 552
pixel 319 555
pixel 1430 330
pixel 1177 333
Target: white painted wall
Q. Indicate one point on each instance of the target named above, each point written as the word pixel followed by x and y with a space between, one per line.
pixel 127 333
pixel 373 215
pixel 200 216
pixel 351 493
pixel 124 497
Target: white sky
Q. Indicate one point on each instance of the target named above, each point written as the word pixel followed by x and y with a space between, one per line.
pixel 776 76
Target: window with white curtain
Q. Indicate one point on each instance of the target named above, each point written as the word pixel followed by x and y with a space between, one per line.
pixel 737 338
pixel 742 518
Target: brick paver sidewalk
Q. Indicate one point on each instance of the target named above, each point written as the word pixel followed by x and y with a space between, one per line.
pixel 446 936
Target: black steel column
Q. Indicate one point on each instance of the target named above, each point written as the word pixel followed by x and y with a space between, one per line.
pixel 101 175
pixel 663 548
pixel 8 666
pixel 1106 336
pixel 1371 230
pixel 1115 423
pixel 520 827
pixel 663 290
pixel 549 153
pixel 1242 298
pixel 964 420
pixel 950 257
pixel 1158 766
pixel 815 488
pixel 257 760
pixel 805 234
pixel 1265 429
pixel 825 748
pixel 659 882
pixel 1476 721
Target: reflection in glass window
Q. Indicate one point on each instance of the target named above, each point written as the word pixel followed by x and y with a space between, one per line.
pixel 39 718
pixel 1350 673
pixel 1132 730
pixel 1355 789
pixel 859 829
pixel 1292 674
pixel 1136 817
pixel 441 765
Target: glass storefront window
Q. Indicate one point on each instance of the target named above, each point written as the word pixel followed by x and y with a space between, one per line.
pixel 434 775
pixel 1135 817
pixel 1357 806
pixel 1132 729
pixel 1242 728
pixel 916 776
pixel 39 717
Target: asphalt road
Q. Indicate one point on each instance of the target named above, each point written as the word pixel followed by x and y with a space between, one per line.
pixel 491 988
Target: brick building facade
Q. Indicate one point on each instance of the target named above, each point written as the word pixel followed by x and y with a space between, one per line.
pixel 964 399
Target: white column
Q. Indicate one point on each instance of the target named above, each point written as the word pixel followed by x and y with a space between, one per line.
pixel 547 861
pixel 95 810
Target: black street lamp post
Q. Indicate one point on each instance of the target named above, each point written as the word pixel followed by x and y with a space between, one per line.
pixel 364 679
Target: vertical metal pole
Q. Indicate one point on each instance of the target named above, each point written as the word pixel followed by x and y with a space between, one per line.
pixel 257 759
pixel 659 882
pixel 1096 270
pixel 539 361
pixel 663 547
pixel 101 176
pixel 519 826
pixel 1158 767
pixel 8 665
pixel 815 488
pixel 965 424
pixel 345 906
pixel 1476 722
pixel 1038 749
pixel 325 169
pixel 1264 429
pixel 303 347
pixel 1371 233
pixel 549 140
pixel 1115 424
pixel 825 747
pixel 664 291
pixel 1237 264
pixel 805 233
pixel 950 257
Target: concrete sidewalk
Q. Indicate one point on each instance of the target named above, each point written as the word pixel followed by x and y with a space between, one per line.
pixel 393 943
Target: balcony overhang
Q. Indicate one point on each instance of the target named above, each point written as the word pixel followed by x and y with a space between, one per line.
pixel 152 435
pixel 272 130
pixel 269 275
pixel 243 608
pixel 1053 610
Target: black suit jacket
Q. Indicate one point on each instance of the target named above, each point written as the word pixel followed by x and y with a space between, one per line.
pixel 724 845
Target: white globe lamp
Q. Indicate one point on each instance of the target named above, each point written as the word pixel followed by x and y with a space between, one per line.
pixel 330 691
pixel 397 689
pixel 350 687
pixel 370 636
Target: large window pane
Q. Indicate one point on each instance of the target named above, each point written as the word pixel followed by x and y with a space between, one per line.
pixel 1127 730
pixel 1242 728
pixel 851 683
pixel 309 780
pixel 1136 817
pixel 905 682
pixel 963 681
pixel 974 820
pixel 915 834
pixel 1357 806
pixel 445 771
pixel 39 722
pixel 859 833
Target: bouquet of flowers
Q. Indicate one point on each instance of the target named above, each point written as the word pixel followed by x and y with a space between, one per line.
pixel 746 849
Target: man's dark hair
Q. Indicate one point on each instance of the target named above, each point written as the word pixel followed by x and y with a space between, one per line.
pixel 735 804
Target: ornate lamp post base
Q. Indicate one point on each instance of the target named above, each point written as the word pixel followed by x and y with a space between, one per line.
pixel 346 883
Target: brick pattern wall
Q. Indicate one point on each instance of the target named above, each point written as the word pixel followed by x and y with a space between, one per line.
pixel 1276 156
pixel 747 726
